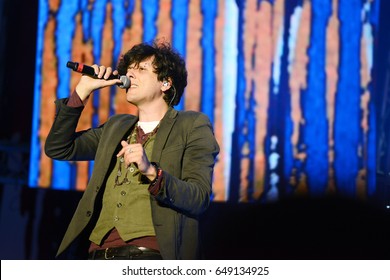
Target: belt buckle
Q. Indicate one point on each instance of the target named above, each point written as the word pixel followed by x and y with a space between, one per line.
pixel 105 255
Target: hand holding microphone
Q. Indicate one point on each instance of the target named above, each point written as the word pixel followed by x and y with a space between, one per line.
pixel 90 71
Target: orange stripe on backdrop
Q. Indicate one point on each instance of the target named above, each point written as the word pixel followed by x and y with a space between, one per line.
pixel 164 21
pixel 133 33
pixel 219 184
pixel 103 95
pixel 332 65
pixel 259 38
pixel 106 60
pixel 131 36
pixel 48 96
pixel 249 40
pixel 82 51
pixel 297 83
pixel 262 75
pixel 194 57
pixel 365 99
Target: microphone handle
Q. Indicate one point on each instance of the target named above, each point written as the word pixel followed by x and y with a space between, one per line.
pixel 89 71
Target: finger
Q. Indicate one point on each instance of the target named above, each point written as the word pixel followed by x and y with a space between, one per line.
pixel 123 150
pixel 102 70
pixel 96 68
pixel 107 73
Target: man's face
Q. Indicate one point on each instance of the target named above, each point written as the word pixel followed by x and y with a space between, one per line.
pixel 144 84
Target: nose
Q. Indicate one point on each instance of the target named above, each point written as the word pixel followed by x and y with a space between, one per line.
pixel 130 73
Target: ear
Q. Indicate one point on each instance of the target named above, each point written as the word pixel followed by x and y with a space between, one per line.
pixel 166 84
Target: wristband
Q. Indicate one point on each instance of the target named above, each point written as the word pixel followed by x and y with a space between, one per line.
pixel 158 173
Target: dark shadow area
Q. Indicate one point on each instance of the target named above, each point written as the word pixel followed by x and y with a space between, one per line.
pixel 324 228
pixel 296 229
pixel 34 220
pixel 60 206
pixel 17 67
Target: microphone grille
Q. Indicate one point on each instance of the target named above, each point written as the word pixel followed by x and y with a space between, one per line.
pixel 125 82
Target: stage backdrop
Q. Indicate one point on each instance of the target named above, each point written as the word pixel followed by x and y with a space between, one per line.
pixel 286 84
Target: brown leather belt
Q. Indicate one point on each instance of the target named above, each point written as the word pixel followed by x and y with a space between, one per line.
pixel 125 253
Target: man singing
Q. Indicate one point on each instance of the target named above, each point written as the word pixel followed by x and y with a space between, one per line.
pixel 152 173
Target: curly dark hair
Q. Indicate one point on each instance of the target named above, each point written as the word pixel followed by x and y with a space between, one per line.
pixel 167 63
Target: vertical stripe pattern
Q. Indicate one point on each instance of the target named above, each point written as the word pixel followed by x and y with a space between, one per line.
pixel 286 85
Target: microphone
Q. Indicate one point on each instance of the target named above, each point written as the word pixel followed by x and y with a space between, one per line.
pixel 89 71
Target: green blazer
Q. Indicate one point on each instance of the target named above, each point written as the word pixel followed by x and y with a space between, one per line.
pixel 185 148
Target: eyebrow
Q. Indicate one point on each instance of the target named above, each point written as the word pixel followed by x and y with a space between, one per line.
pixel 138 65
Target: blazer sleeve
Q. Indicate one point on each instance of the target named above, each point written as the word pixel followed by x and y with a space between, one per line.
pixel 189 191
pixel 63 142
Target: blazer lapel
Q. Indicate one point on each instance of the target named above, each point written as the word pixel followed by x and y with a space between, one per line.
pixel 163 133
pixel 119 132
